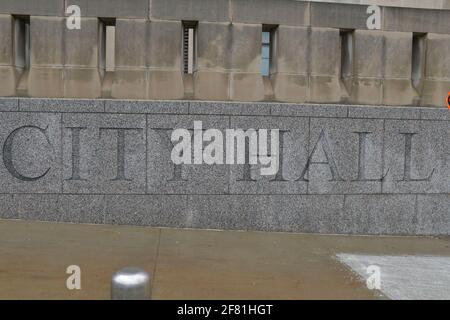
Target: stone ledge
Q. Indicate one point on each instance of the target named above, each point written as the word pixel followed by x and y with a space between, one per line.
pixel 229 108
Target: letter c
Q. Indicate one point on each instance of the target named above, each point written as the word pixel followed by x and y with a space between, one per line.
pixel 7 154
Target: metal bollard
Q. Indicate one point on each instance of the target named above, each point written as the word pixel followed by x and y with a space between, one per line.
pixel 130 284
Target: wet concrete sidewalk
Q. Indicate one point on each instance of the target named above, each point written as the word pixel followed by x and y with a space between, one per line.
pixel 190 264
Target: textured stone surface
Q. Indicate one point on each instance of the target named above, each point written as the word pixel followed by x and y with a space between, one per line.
pixel 416 20
pixel 31 152
pixel 130 106
pixel 379 214
pixel 417 156
pixel 61 105
pixel 81 208
pixel 308 110
pixel 345 156
pixel 433 214
pixel 39 7
pixel 203 10
pixel 345 169
pixel 293 146
pixel 346 16
pixel 384 113
pixel 9 104
pixel 113 8
pixel 104 153
pixel 223 108
pixel 166 178
pixel 8 210
pixel 148 210
pixel 280 12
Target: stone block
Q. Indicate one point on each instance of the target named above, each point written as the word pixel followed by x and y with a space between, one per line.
pixel 338 15
pixel 438 63
pixel 46 48
pixel 82 83
pixel 325 89
pixel 245 55
pixel 380 214
pixel 165 45
pixel 368 57
pixel 81 208
pixel 367 91
pixel 398 58
pixel 6 41
pixel 291 213
pixel 325 43
pixel 416 20
pixel 113 8
pixel 104 153
pixel 60 105
pixel 147 210
pixel 417 157
pixel 37 207
pixel 33 8
pixel 213 45
pixel 9 104
pixel 9 80
pixel 284 12
pixel 433 217
pixel 229 108
pixel 131 106
pixel 130 84
pixel 308 110
pixel 166 178
pixel 383 112
pixel 290 87
pixel 397 86
pixel 131 43
pixel 291 81
pixel 292 54
pixel 435 93
pixel 190 10
pixel 293 146
pixel 434 114
pixel 399 92
pixel 164 84
pixel 246 87
pixel 211 86
pixel 8 210
pixel 31 160
pixel 46 82
pixel 325 65
pixel 82 45
pixel 345 156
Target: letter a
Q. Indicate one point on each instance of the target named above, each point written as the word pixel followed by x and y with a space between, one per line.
pixel 74 280
pixel 374 20
pixel 73 22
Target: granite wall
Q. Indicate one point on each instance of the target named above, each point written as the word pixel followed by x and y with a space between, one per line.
pixel 344 168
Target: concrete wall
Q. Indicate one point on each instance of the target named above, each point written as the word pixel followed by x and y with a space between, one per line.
pixel 306 66
pixel 370 170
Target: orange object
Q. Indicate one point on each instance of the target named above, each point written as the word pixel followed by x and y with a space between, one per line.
pixel 448 100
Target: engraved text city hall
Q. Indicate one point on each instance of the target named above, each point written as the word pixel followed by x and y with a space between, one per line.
pixel 121 154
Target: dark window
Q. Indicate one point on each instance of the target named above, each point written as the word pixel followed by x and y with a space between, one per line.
pixel 107 35
pixel 22 42
pixel 346 54
pixel 418 59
